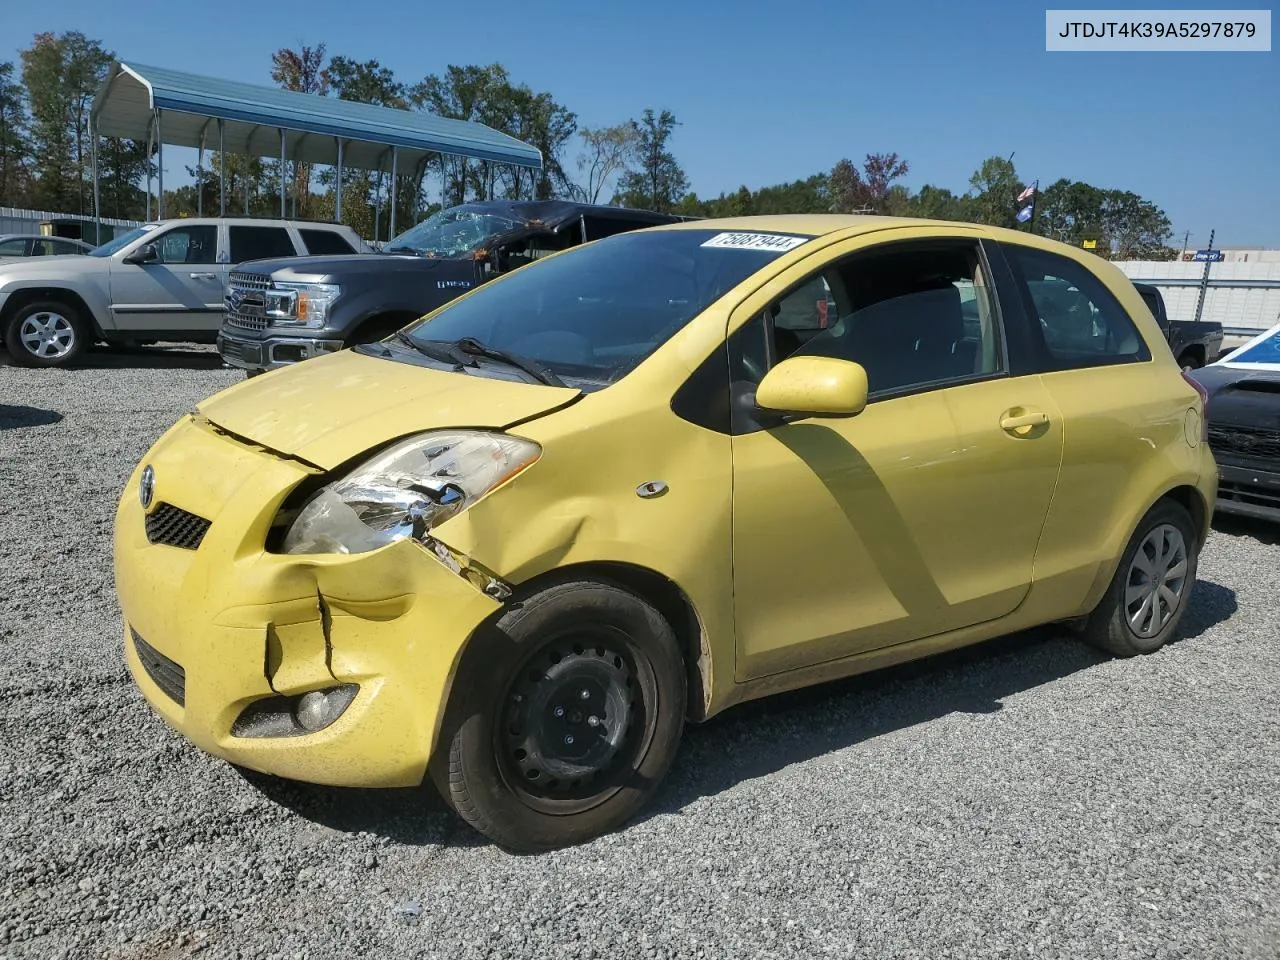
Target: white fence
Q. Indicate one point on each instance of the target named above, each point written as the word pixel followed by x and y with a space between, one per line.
pixel 1243 296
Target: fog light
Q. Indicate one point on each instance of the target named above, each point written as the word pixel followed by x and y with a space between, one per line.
pixel 294 716
pixel 319 708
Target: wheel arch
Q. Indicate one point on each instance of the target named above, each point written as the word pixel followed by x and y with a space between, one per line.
pixel 25 296
pixel 381 320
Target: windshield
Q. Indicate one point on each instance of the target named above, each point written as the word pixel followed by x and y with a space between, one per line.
pixel 450 233
pixel 120 242
pixel 592 314
pixel 1266 350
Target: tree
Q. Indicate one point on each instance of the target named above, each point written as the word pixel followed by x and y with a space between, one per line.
pixel 303 72
pixel 13 140
pixel 660 182
pixel 996 187
pixel 1074 211
pixel 464 93
pixel 122 165
pixel 606 154
pixel 62 74
pixel 866 190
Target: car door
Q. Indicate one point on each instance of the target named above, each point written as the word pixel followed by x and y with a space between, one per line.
pixel 920 515
pixel 181 290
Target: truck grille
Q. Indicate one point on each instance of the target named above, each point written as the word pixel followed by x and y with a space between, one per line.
pixel 246 301
pixel 1252 442
pixel 175 527
pixel 164 673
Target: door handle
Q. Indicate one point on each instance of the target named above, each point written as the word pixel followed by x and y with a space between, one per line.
pixel 204 276
pixel 1023 421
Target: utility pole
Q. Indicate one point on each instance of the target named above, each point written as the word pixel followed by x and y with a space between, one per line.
pixel 1204 281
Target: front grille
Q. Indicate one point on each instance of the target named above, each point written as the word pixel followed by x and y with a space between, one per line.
pixel 1255 442
pixel 1249 493
pixel 164 673
pixel 175 527
pixel 246 301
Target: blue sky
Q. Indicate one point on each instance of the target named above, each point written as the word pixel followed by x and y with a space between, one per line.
pixel 774 91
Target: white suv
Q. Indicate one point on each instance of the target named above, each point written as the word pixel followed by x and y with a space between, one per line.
pixel 161 281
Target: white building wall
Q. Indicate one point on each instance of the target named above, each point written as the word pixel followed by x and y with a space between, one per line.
pixel 1256 308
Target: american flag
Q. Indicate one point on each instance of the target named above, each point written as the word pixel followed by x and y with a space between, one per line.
pixel 1028 193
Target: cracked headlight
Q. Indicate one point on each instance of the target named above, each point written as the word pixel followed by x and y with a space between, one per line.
pixel 406 490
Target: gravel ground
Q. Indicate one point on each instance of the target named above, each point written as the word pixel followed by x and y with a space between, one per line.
pixel 1025 798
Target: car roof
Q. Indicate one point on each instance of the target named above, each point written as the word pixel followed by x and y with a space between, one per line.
pixel 36 236
pixel 248 222
pixel 552 213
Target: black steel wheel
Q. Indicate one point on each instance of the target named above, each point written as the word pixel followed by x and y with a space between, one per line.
pixel 566 720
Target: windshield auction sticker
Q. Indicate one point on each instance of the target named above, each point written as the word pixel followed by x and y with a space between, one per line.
pixel 771 242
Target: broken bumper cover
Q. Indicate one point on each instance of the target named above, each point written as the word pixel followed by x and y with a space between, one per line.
pixel 272 353
pixel 233 625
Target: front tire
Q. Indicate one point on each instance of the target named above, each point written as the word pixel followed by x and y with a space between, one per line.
pixel 565 719
pixel 1148 595
pixel 47 333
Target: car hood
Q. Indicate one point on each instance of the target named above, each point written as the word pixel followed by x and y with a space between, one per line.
pixel 45 268
pixel 322 269
pixel 333 408
pixel 1241 396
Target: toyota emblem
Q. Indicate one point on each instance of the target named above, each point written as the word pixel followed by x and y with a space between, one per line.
pixel 147 487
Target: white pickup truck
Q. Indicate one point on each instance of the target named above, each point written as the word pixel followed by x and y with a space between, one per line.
pixel 161 281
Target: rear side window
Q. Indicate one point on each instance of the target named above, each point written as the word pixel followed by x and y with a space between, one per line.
pixel 260 243
pixel 325 242
pixel 13 248
pixel 1079 322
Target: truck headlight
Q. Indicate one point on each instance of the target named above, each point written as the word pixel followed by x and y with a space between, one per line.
pixel 300 304
pixel 406 490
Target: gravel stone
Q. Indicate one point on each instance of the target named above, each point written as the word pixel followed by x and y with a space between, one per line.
pixel 1024 798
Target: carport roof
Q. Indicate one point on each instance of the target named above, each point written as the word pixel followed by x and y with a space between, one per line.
pixel 253 117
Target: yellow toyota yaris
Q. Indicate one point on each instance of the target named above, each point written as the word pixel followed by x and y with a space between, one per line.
pixel 517 545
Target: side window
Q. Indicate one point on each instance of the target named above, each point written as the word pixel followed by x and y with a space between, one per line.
pixel 1080 322
pixel 196 244
pixel 600 227
pixel 64 249
pixel 525 250
pixel 260 243
pixel 13 248
pixel 912 316
pixel 324 242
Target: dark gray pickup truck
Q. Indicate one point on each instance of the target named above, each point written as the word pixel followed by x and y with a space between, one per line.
pixel 281 311
pixel 1195 343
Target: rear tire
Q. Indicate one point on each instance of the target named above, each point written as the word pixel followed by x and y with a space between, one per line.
pixel 47 333
pixel 1147 597
pixel 565 718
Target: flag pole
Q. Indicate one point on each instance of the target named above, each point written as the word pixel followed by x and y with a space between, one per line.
pixel 1031 224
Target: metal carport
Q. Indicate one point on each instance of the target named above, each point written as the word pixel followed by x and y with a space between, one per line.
pixel 184 109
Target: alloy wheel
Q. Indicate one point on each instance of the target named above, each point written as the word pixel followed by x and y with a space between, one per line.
pixel 47 335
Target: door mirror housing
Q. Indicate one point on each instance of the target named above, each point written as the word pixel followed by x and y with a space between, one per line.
pixel 147 253
pixel 814 387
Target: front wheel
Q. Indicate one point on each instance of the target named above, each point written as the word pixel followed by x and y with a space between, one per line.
pixel 45 334
pixel 567 719
pixel 1148 594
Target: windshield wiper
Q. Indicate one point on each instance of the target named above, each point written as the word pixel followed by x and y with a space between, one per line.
pixel 435 349
pixel 474 348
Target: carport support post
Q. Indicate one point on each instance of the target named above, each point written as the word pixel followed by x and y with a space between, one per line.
pixel 159 167
pixel 394 159
pixel 282 174
pixel 200 174
pixel 97 199
pixel 337 207
pixel 222 170
pixel 150 134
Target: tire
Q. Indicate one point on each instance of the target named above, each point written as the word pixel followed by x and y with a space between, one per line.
pixel 1190 361
pixel 47 333
pixel 528 755
pixel 1113 626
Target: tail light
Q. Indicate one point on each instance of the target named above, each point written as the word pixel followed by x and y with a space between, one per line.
pixel 1204 405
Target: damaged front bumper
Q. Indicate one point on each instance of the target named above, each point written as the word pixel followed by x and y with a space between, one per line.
pixel 216 635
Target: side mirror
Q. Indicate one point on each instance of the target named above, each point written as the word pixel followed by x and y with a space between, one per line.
pixel 814 387
pixel 147 253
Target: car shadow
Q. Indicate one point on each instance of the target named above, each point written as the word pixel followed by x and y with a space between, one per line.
pixel 763 736
pixel 176 357
pixel 15 417
pixel 1264 531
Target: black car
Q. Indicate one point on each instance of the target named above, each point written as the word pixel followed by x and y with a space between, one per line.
pixel 1244 426
pixel 285 310
pixel 1194 342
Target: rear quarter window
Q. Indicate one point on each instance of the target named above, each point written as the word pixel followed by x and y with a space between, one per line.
pixel 325 242
pixel 1076 319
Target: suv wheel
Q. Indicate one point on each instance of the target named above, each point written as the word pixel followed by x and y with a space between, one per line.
pixel 47 333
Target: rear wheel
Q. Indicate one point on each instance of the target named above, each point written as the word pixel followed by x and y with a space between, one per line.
pixel 47 333
pixel 566 720
pixel 1141 609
